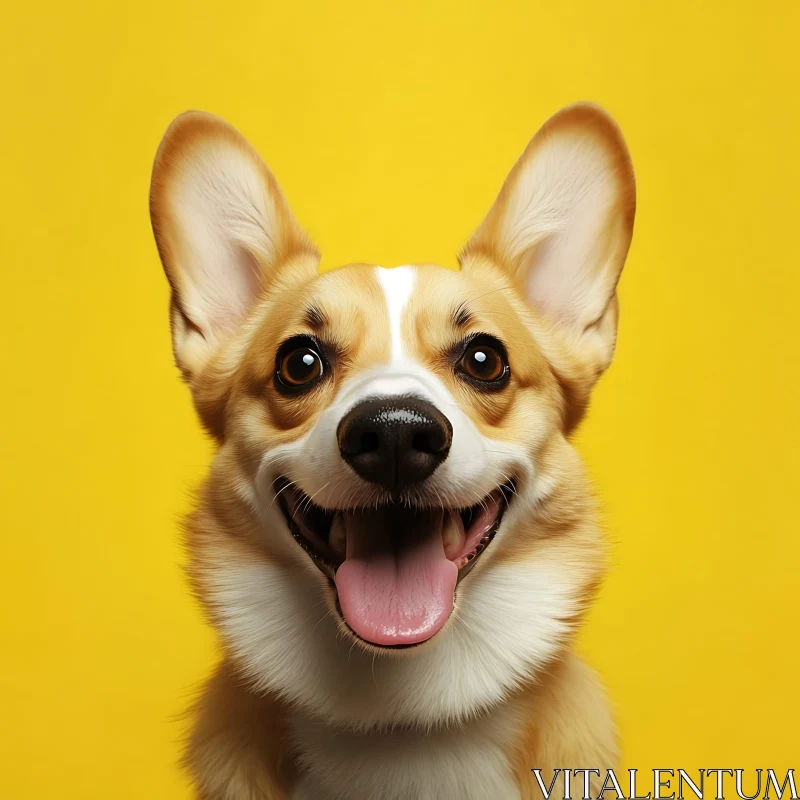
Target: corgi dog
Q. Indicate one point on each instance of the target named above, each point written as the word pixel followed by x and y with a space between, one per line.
pixel 396 540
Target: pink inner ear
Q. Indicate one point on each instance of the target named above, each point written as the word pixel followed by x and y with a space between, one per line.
pixel 566 238
pixel 562 278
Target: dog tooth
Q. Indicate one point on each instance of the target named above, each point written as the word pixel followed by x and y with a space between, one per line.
pixel 452 535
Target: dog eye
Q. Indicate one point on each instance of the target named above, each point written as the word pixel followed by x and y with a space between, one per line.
pixel 299 365
pixel 484 361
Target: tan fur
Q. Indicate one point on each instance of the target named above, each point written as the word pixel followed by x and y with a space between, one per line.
pixel 241 747
pixel 237 746
pixel 567 726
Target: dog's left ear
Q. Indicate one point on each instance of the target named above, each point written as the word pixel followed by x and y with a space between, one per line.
pixel 561 227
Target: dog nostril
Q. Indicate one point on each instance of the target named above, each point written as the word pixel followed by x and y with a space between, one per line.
pixel 421 442
pixel 370 442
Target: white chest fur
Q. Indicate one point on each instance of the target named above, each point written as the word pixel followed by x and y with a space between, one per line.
pixel 461 763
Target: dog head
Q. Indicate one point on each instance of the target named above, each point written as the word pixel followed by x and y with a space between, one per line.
pixel 396 528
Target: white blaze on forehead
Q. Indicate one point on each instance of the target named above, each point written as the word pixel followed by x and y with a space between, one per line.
pixel 397 284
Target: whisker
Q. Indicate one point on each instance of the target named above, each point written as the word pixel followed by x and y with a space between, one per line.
pixel 282 489
pixel 327 613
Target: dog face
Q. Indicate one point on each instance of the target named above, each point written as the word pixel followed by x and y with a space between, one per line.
pixel 396 528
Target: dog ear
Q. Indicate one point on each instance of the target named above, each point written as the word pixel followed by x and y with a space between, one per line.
pixel 223 229
pixel 562 224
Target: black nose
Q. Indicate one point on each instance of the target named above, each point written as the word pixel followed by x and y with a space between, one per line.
pixel 394 442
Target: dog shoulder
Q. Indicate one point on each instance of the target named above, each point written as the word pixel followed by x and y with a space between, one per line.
pixel 568 725
pixel 235 749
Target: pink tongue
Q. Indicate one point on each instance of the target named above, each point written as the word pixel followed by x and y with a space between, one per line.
pixel 396 584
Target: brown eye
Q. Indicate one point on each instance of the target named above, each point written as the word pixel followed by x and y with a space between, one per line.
pixel 484 361
pixel 300 366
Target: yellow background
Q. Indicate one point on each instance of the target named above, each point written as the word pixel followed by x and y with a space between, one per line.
pixel 391 127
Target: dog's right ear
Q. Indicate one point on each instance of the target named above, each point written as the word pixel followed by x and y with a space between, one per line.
pixel 223 229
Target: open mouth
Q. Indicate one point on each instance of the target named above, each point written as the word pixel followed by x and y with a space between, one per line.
pixel 395 568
